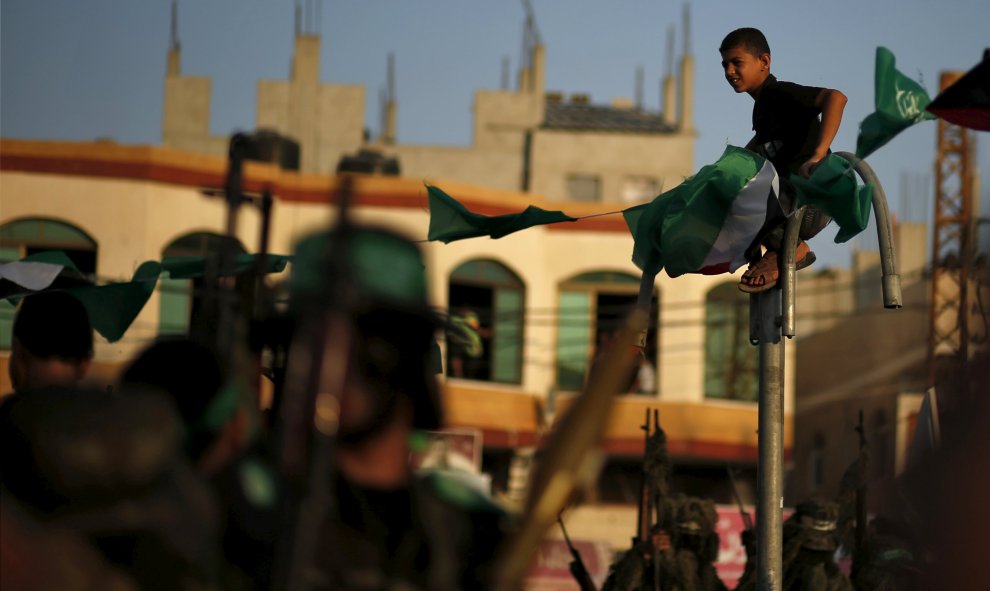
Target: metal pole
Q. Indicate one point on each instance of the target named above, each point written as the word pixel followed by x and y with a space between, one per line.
pixel 644 302
pixel 769 530
pixel 890 280
pixel 788 273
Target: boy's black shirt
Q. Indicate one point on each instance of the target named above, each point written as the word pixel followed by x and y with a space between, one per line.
pixel 786 122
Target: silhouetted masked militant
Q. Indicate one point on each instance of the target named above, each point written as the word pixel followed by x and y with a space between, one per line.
pixel 107 471
pixel 678 557
pixel 225 450
pixel 389 527
pixel 689 563
pixel 810 542
pixel 637 568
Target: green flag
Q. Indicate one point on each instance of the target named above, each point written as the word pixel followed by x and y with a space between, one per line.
pixel 705 224
pixel 450 221
pixel 114 306
pixel 899 101
pixel 833 189
pixel 192 267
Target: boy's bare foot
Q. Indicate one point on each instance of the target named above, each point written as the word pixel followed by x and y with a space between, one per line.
pixel 764 273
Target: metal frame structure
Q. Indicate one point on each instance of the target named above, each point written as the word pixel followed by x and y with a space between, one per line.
pixel 952 246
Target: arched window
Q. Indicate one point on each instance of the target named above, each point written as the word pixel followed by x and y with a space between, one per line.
pixel 23 237
pixel 176 295
pixel 731 362
pixel 488 300
pixel 591 307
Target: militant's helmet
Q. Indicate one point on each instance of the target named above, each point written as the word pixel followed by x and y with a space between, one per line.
pixel 379 279
pixel 819 520
pixel 695 527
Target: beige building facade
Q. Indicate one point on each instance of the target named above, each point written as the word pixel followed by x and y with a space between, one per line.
pixel 134 201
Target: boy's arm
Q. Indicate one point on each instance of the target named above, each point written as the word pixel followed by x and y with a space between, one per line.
pixel 831 102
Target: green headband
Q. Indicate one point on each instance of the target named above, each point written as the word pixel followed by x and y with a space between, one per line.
pixel 385 266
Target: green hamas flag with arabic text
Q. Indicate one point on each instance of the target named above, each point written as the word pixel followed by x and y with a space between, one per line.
pixel 899 101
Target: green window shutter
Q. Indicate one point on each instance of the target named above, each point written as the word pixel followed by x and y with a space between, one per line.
pixel 747 358
pixel 7 310
pixel 175 301
pixel 9 254
pixel 718 329
pixel 507 336
pixel 731 362
pixel 573 338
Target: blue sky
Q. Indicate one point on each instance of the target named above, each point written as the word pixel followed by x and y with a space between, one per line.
pixel 80 70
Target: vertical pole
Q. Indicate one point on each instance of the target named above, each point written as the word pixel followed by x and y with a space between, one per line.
pixel 788 279
pixel 644 302
pixel 769 529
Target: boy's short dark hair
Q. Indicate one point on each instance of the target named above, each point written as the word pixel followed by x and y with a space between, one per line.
pixel 747 37
pixel 54 324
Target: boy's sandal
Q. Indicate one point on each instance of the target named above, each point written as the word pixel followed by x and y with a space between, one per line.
pixel 764 273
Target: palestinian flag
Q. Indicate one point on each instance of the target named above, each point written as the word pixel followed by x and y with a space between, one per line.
pixel 112 307
pixel 51 269
pixel 707 223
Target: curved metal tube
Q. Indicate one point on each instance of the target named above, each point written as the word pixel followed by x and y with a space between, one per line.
pixel 891 281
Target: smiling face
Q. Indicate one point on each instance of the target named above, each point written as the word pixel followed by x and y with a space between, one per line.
pixel 744 71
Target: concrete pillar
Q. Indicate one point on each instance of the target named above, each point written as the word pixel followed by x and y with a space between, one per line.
pixel 538 73
pixel 669 101
pixel 388 136
pixel 306 59
pixel 687 93
pixel 172 67
pixel 303 95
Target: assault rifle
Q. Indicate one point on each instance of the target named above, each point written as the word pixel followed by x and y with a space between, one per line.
pixel 746 517
pixel 578 570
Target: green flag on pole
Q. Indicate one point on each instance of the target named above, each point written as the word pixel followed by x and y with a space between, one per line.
pixel 450 221
pixel 899 101
pixel 833 189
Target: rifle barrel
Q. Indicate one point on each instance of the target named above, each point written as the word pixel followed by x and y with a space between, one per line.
pixel 747 519
pixel 577 567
